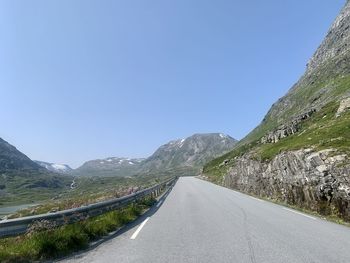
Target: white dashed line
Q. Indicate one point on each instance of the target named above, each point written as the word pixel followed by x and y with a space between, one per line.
pixel 256 199
pixel 139 228
pixel 290 210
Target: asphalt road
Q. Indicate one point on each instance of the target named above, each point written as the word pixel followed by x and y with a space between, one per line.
pixel 202 222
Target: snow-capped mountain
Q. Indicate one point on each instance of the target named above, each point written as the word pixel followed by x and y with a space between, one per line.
pixel 111 166
pixel 54 167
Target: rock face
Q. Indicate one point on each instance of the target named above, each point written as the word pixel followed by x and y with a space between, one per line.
pixel 337 41
pixel 344 106
pixel 315 180
pixel 286 130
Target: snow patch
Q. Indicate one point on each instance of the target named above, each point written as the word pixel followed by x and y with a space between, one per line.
pixel 222 135
pixel 181 143
pixel 59 166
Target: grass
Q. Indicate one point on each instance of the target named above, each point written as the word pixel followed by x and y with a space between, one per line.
pixel 49 243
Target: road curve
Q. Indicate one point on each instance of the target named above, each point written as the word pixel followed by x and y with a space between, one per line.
pixel 203 222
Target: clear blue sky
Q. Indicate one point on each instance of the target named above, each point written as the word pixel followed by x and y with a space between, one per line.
pixel 82 80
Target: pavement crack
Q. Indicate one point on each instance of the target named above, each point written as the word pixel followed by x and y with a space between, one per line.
pixel 246 233
pixel 247 236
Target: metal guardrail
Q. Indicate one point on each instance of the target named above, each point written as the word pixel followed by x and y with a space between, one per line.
pixel 18 226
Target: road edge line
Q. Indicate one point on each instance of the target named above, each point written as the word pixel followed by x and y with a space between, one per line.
pixel 302 214
pixel 139 229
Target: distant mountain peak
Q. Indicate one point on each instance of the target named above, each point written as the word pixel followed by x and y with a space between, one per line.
pixel 192 152
pixel 187 154
pixel 110 166
pixel 55 167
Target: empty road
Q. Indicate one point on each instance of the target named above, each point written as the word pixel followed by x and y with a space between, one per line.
pixel 203 222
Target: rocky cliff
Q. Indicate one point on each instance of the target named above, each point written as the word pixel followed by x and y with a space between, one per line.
pixel 337 41
pixel 316 180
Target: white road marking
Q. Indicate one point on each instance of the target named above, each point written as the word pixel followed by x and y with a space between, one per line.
pixel 290 210
pixel 159 203
pixel 256 199
pixel 139 228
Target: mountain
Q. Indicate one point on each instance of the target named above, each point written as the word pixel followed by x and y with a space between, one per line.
pixel 191 153
pixel 181 157
pixel 21 178
pixel 54 167
pixel 112 166
pixel 13 160
pixel 299 154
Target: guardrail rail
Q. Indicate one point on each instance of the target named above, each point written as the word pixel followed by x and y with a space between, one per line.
pixel 18 226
